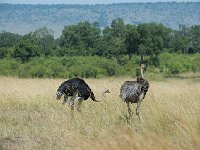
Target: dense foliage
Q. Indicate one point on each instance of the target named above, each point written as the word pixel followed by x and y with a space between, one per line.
pixel 97 67
pixel 86 50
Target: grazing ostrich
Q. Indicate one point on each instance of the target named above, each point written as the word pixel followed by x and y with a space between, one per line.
pixel 76 89
pixel 134 91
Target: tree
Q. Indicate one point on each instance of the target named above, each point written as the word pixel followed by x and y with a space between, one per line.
pixel 195 39
pixel 80 39
pixel 45 40
pixel 132 40
pixel 3 52
pixel 114 38
pixel 118 28
pixel 26 49
pixel 69 38
pixel 8 39
pixel 183 38
pixel 154 37
pixel 89 34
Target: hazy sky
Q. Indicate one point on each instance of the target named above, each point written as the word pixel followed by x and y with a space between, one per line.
pixel 85 1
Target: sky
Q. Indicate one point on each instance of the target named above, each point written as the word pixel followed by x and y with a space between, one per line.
pixel 86 1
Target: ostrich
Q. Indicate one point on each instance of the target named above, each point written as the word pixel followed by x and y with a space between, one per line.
pixel 135 91
pixel 76 88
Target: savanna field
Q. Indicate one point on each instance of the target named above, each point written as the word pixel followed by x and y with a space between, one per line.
pixel 31 118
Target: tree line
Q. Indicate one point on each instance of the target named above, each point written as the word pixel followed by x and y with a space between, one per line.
pixel 113 42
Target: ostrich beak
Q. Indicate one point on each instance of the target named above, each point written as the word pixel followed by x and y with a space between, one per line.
pixel 107 91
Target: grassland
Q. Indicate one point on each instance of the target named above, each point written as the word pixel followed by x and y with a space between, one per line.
pixel 31 118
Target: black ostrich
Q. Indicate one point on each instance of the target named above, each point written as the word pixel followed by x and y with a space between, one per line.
pixel 76 88
pixel 134 91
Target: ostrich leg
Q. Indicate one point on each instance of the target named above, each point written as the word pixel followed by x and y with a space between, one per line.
pixel 129 110
pixel 138 108
pixel 74 97
pixel 72 109
pixel 79 104
pixel 139 103
pixel 65 99
pixel 72 106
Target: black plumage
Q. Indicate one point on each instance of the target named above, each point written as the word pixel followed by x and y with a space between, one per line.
pixel 70 86
pixel 76 88
pixel 134 91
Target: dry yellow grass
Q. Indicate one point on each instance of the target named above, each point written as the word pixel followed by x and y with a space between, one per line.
pixel 30 117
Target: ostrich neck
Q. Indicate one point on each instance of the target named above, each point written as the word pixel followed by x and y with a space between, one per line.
pixel 100 98
pixel 142 72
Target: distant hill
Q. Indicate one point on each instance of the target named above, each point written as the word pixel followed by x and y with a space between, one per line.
pixel 21 18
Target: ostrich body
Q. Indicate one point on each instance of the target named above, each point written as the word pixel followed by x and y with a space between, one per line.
pixel 76 88
pixel 134 91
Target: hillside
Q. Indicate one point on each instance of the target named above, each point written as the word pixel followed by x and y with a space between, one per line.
pixel 21 18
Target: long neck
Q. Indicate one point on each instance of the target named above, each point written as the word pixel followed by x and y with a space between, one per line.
pixel 100 98
pixel 142 72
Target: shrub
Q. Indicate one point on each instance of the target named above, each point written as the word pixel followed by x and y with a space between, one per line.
pixel 8 67
pixel 177 63
pixel 96 67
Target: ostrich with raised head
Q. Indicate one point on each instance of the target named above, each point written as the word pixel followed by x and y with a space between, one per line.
pixel 135 91
pixel 76 88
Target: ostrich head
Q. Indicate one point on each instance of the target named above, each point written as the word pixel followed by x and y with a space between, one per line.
pixel 106 91
pixel 58 95
pixel 142 67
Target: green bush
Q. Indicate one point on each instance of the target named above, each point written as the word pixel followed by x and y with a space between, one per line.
pixel 8 67
pixel 175 68
pixel 195 65
pixel 96 67
pixel 178 63
pixel 24 71
pixel 37 71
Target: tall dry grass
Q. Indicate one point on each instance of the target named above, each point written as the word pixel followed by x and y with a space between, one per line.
pixel 30 117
